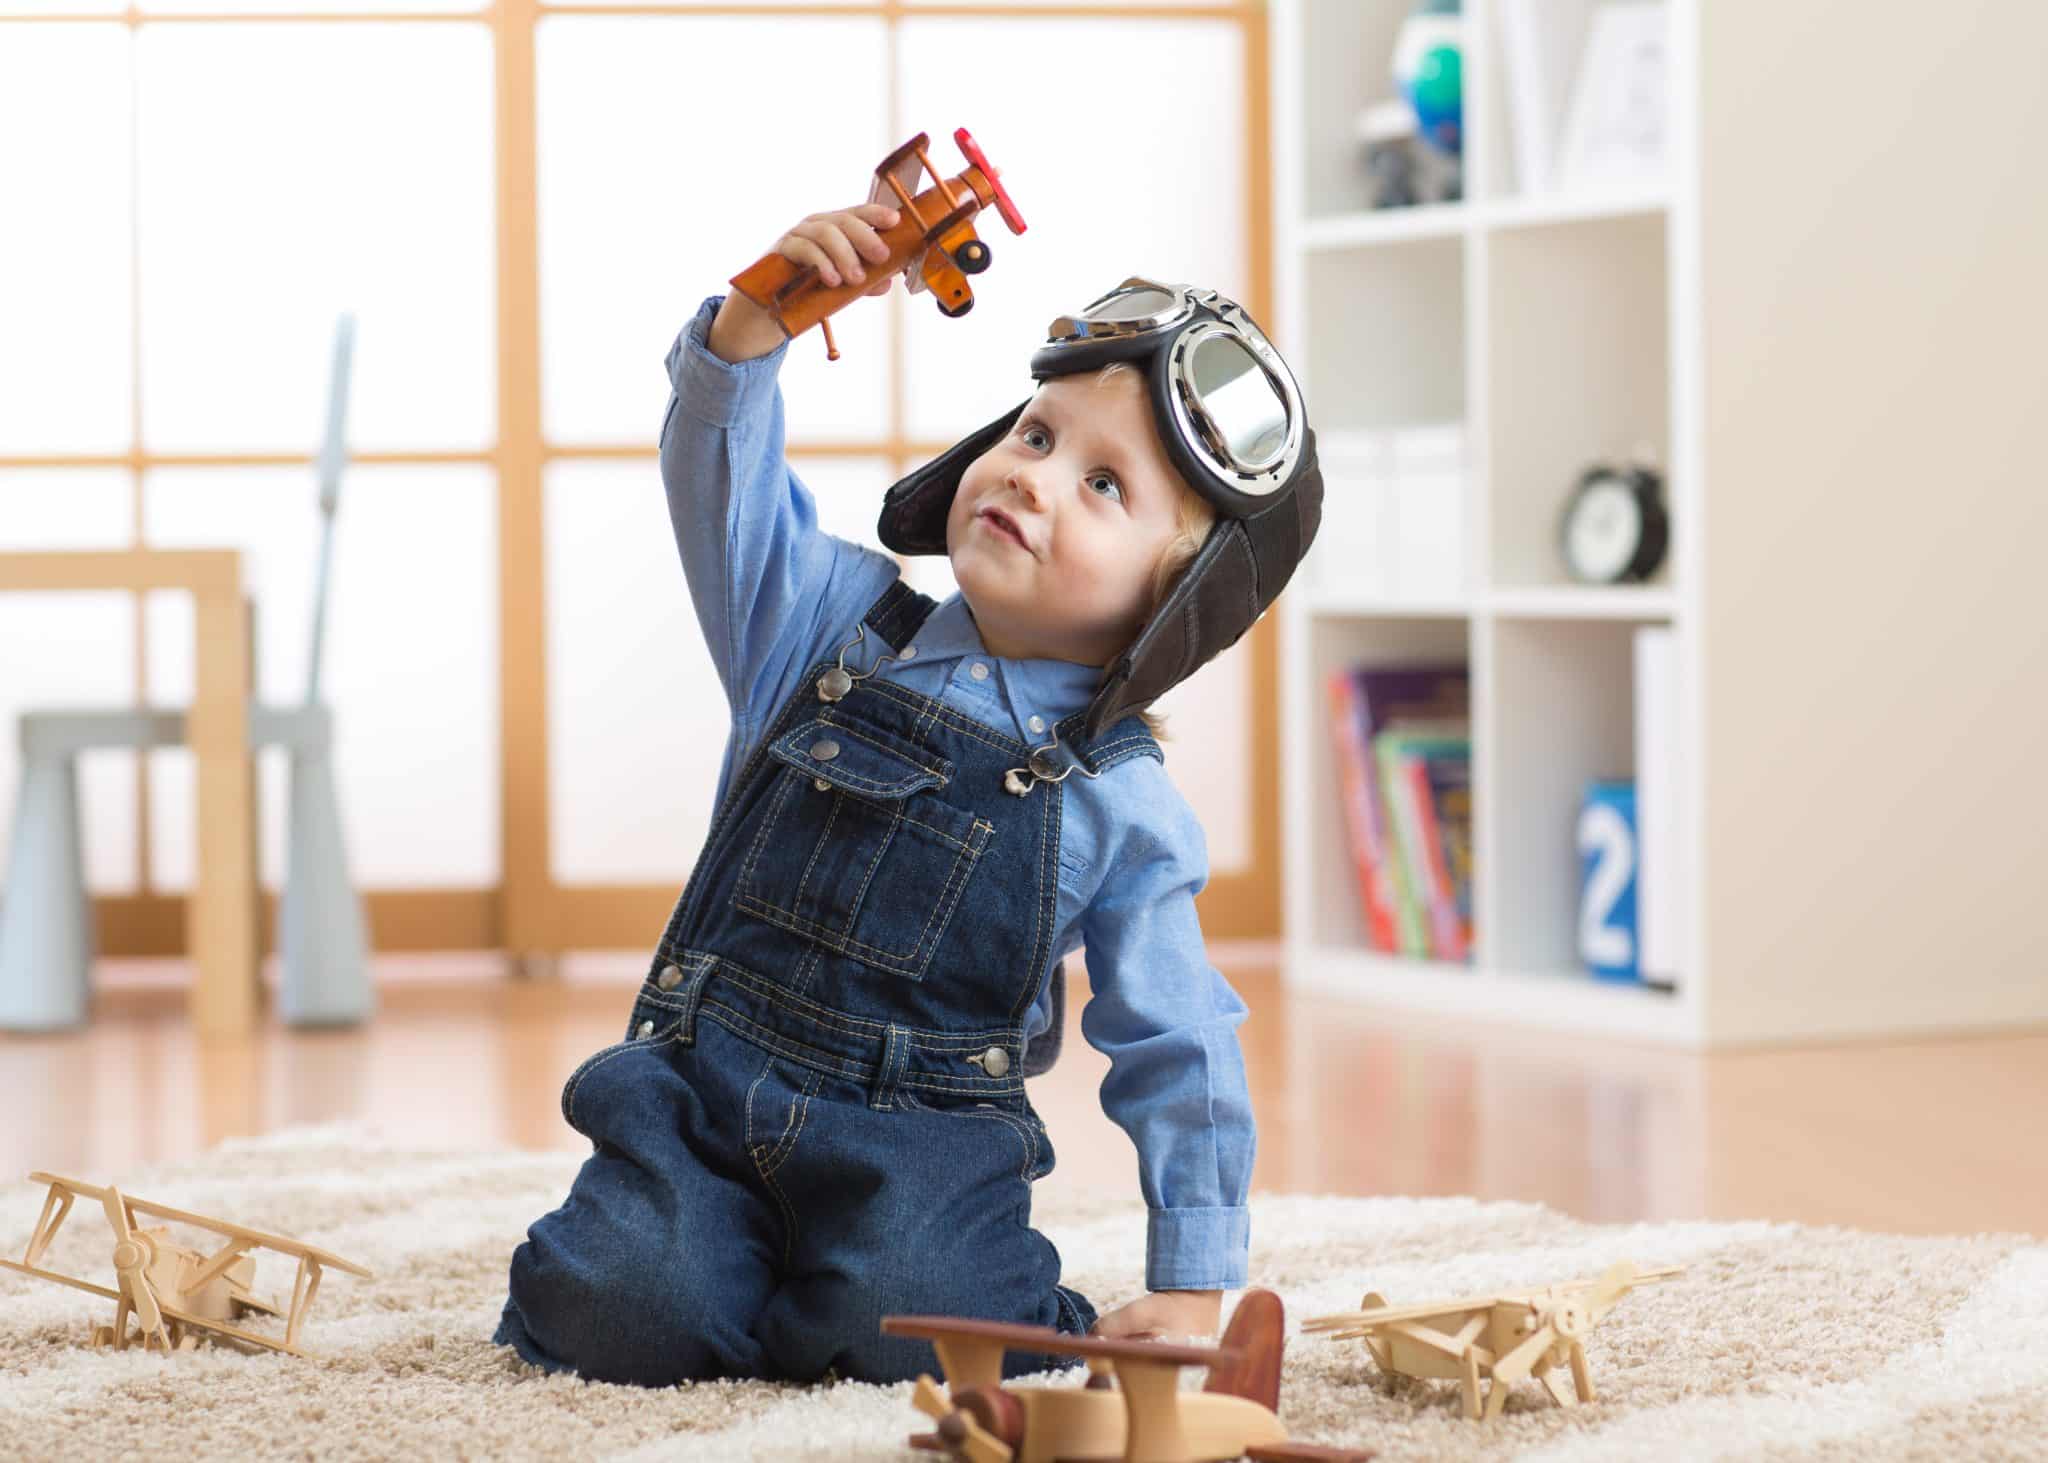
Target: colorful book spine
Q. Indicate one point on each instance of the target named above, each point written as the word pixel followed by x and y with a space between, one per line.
pixel 1448 937
pixel 1409 889
pixel 1361 814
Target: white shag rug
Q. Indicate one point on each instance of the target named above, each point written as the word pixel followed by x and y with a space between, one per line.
pixel 1779 1342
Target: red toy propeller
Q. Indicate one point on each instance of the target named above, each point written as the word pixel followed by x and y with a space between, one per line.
pixel 971 150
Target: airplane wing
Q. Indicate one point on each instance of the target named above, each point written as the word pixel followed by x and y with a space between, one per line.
pixel 282 1243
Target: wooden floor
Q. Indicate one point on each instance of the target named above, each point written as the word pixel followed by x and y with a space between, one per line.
pixel 1928 1137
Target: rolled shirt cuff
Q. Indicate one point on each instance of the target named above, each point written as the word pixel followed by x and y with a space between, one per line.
pixel 715 391
pixel 1198 1249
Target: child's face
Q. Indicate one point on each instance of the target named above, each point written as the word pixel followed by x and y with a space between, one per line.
pixel 1084 481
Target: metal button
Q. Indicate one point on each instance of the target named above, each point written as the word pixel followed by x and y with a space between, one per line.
pixel 821 785
pixel 646 1029
pixel 834 684
pixel 995 1061
pixel 908 652
pixel 825 750
pixel 670 977
pixel 1044 766
pixel 978 671
pixel 1037 723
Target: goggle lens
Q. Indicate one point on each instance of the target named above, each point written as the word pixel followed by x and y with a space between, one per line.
pixel 1242 403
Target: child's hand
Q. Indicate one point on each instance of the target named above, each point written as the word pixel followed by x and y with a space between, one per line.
pixel 1164 1313
pixel 835 243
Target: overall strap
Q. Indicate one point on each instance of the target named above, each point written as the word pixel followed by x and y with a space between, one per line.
pixel 899 613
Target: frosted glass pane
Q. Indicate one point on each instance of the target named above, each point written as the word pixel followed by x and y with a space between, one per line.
pixel 411 658
pixel 637 720
pixel 65 345
pixel 1147 178
pixel 291 171
pixel 70 650
pixel 643 214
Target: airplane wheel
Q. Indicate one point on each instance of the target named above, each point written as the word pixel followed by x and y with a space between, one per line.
pixel 188 1342
pixel 103 1336
pixel 957 311
pixel 972 257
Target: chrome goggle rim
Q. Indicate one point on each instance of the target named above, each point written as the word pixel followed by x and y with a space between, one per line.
pixel 1196 423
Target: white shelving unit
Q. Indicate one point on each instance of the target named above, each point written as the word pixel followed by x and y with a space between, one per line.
pixel 1545 326
pixel 1860 706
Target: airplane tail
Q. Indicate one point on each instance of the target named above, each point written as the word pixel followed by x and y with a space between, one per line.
pixel 1258 1333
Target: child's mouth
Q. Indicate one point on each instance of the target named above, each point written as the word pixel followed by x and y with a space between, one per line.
pixel 1004 528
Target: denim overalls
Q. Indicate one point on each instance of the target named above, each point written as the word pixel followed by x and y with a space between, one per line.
pixel 818 1116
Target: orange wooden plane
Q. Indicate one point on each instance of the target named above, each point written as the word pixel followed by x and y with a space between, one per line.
pixel 176 1293
pixel 1132 1408
pixel 933 240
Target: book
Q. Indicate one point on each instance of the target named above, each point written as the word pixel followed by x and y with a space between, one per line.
pixel 1361 819
pixel 1366 700
pixel 1408 752
pixel 1442 780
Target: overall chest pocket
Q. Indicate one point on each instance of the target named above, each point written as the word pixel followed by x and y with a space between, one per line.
pixel 856 850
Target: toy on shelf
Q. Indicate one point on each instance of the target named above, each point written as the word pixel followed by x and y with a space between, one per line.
pixel 1509 1336
pixel 175 1293
pixel 1140 1416
pixel 933 240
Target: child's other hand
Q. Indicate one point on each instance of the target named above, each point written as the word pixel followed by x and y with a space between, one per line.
pixel 838 244
pixel 1164 1313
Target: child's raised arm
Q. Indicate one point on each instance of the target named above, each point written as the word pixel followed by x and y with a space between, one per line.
pixel 764 578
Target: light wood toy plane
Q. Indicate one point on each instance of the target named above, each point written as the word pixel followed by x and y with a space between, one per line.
pixel 175 1292
pixel 1141 1416
pixel 932 242
pixel 1504 1337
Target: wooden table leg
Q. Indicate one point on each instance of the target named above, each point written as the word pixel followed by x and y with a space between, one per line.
pixel 222 923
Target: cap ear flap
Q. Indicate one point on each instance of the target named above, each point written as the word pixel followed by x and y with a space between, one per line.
pixel 1209 608
pixel 914 509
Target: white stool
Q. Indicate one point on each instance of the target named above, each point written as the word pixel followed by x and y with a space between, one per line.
pixel 46 933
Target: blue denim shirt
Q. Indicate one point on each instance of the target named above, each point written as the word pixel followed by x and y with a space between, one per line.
pixel 775 593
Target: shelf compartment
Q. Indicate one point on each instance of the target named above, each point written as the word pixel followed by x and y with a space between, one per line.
pixel 1333 914
pixel 1386 226
pixel 1363 302
pixel 1562 716
pixel 1577 372
pixel 1347 49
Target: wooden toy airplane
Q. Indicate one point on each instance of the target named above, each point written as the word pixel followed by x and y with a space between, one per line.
pixel 933 239
pixel 175 1292
pixel 1516 1334
pixel 1143 1417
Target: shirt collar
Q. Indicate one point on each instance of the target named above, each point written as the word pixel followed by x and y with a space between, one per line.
pixel 1048 689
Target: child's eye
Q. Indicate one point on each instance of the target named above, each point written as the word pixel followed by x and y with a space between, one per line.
pixel 1030 427
pixel 1103 477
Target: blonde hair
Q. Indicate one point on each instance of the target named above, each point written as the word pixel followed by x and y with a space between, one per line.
pixel 1195 517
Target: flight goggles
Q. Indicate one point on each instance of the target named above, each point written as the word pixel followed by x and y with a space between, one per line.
pixel 1230 412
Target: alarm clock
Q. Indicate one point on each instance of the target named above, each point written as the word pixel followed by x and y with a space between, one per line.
pixel 1615 529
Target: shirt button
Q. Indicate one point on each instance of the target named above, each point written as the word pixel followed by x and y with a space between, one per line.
pixel 978 671
pixel 646 1029
pixel 1037 723
pixel 669 978
pixel 908 652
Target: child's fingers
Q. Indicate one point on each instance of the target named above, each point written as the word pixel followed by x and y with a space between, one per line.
pixel 866 239
pixel 800 249
pixel 840 262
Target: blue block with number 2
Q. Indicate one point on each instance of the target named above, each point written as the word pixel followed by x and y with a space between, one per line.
pixel 1607 881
